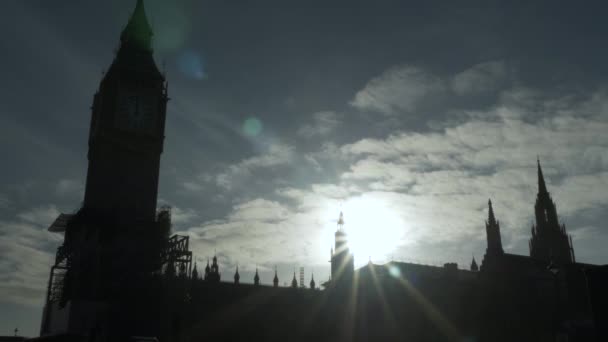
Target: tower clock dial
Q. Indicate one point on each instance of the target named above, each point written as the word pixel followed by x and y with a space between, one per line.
pixel 136 112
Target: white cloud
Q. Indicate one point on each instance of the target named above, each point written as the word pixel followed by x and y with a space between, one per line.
pixel 181 216
pixel 397 90
pixel 25 261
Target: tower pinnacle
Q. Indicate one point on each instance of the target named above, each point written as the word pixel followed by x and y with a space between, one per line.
pixel 138 33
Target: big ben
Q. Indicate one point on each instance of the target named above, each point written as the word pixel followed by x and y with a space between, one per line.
pixel 127 130
pixel 112 245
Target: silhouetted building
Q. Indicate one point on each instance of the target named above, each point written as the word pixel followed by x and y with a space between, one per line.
pixel 120 274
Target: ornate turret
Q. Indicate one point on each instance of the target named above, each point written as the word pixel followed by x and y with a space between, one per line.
pixel 237 277
pixel 256 278
pixel 275 281
pixel 312 281
pixel 549 238
pixel 214 273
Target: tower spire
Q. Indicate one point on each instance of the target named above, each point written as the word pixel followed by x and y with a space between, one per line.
pixel 542 187
pixel 237 277
pixel 549 238
pixel 493 232
pixel 275 281
pixel 491 218
pixel 138 32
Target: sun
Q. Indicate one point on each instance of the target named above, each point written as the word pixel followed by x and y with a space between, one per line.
pixel 373 227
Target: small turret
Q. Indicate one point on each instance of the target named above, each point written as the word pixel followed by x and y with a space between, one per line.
pixel 194 274
pixel 294 282
pixel 237 277
pixel 207 270
pixel 256 278
pixel 275 281
pixel 474 266
pixel 214 272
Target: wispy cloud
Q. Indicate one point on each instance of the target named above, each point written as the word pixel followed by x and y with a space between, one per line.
pixel 397 90
pixel 276 155
pixel 324 123
pixel 483 77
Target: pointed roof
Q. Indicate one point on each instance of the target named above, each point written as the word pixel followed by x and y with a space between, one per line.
pixel 207 268
pixel 276 278
pixel 312 280
pixel 542 187
pixel 341 220
pixel 138 32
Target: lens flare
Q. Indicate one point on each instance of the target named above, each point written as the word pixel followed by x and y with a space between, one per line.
pixel 394 271
pixel 252 127
pixel 191 64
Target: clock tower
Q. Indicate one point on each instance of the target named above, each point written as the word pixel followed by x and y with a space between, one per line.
pixel 127 130
pixel 113 245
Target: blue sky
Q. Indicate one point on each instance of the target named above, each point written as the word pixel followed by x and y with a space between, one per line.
pixel 407 116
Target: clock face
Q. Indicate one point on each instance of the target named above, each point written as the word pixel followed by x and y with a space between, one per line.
pixel 136 112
